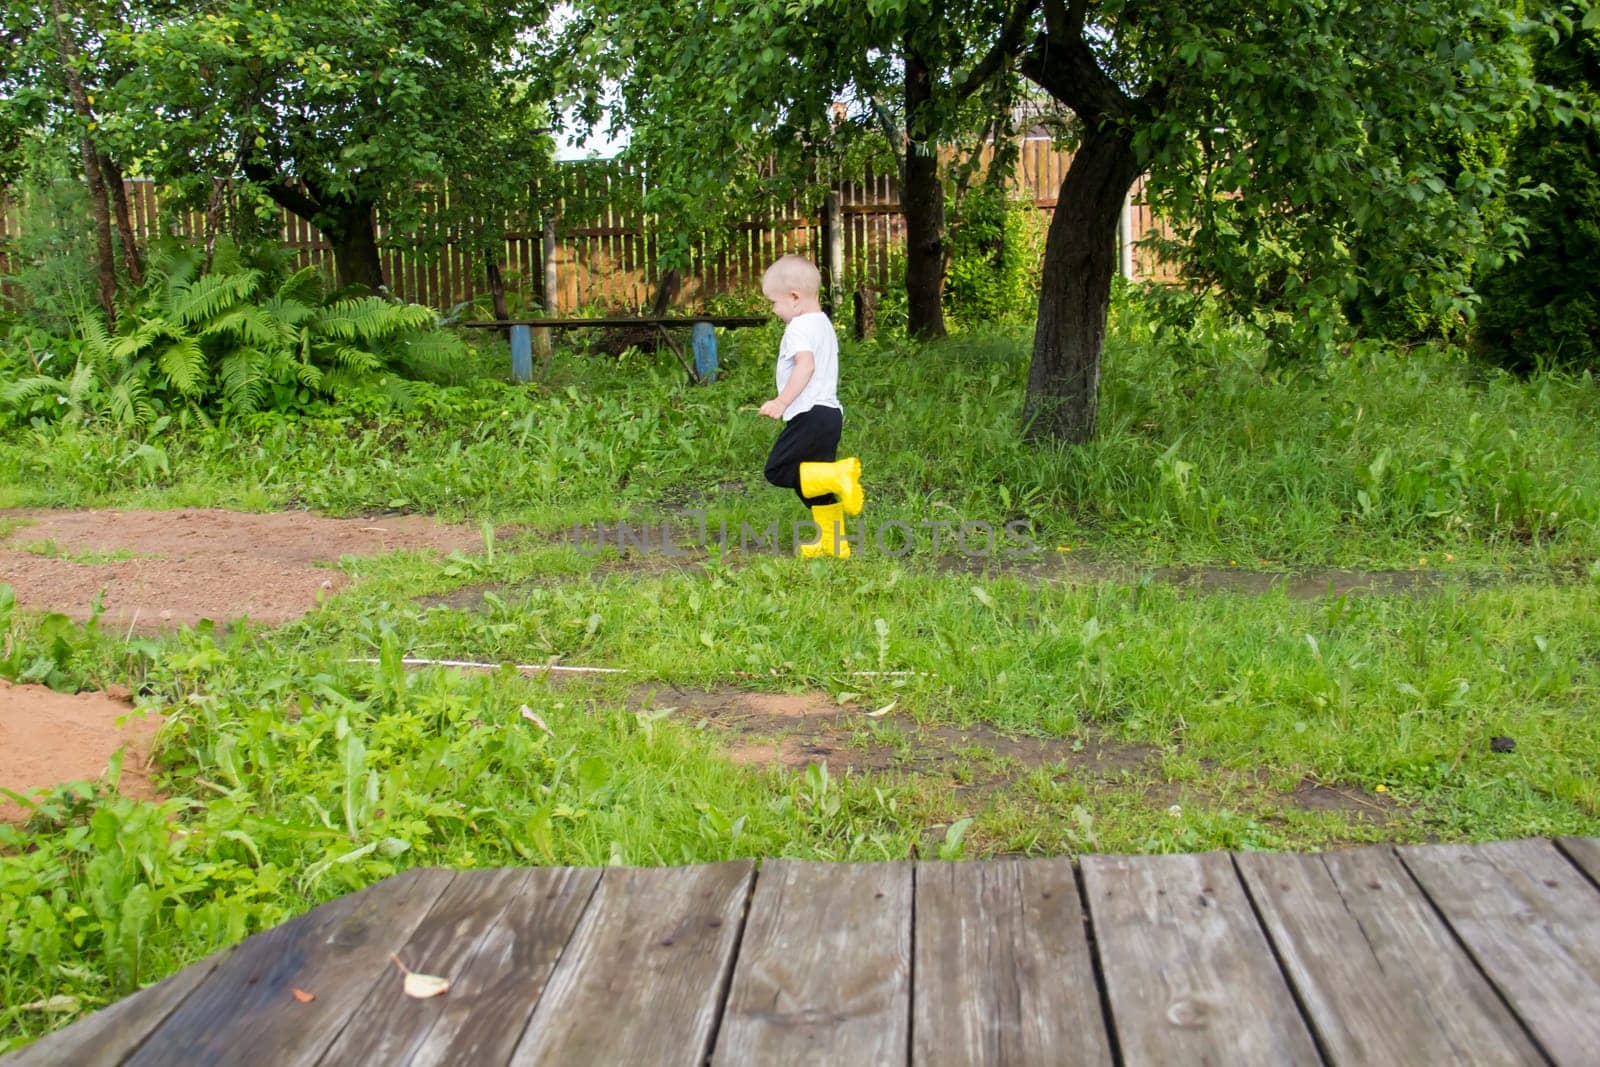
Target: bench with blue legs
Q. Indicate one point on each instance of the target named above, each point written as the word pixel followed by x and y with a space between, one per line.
pixel 703 337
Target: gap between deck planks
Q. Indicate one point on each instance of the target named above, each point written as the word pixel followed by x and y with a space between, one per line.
pixel 1422 954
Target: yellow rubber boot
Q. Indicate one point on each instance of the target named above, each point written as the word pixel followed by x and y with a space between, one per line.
pixel 830 520
pixel 842 478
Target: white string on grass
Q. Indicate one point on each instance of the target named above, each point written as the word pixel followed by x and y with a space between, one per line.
pixel 467 664
pixel 415 661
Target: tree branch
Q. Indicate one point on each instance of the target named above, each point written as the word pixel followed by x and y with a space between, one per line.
pixel 891 132
pixel 1066 69
pixel 1005 46
pixel 1077 12
pixel 285 195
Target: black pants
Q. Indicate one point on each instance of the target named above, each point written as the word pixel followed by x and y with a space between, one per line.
pixel 810 437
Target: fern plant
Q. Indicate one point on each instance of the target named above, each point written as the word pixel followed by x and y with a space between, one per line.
pixel 236 339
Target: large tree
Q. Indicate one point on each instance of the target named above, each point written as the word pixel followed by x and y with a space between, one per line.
pixel 56 63
pixel 1296 142
pixel 1300 150
pixel 333 107
pixel 742 98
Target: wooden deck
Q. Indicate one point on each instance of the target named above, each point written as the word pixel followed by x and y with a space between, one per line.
pixel 1416 955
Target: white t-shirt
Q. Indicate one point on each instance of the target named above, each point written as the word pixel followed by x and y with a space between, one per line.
pixel 811 332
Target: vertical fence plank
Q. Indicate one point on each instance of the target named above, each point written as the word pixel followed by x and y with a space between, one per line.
pixel 614 278
pixel 10 229
pixel 441 254
pixel 436 266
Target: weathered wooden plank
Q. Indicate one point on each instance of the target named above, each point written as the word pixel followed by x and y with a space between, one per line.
pixel 447 282
pixel 387 1026
pixel 1532 921
pixel 1381 977
pixel 496 935
pixel 506 977
pixel 1004 972
pixel 1189 974
pixel 824 972
pixel 611 261
pixel 108 1036
pixel 493 995
pixel 642 979
pixel 245 1012
pixel 1585 852
pixel 468 265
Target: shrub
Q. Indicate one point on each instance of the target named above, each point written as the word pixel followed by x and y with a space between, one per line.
pixel 1543 308
pixel 237 339
pixel 996 251
pixel 52 281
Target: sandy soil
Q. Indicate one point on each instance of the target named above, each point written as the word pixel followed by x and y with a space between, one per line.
pixel 49 738
pixel 171 568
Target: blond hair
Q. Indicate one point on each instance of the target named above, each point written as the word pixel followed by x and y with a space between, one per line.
pixel 792 272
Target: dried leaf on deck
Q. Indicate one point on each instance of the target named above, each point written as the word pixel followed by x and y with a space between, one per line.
pixel 423 986
pixel 420 986
pixel 302 996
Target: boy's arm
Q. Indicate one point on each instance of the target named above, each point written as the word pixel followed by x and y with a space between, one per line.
pixel 805 365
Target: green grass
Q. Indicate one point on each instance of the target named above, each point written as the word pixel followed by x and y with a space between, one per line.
pixel 295 774
pixel 1378 460
pixel 1365 690
pixel 48 549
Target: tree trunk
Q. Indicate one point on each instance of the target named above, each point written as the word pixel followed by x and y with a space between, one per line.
pixel 349 228
pixel 213 223
pixel 106 265
pixel 119 199
pixel 866 316
pixel 346 221
pixel 620 340
pixel 105 256
pixel 497 283
pixel 666 292
pixel 1080 256
pixel 922 194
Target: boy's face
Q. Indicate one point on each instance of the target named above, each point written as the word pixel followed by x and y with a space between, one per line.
pixel 786 303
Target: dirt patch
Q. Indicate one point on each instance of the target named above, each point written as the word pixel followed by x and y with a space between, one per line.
pixel 1312 796
pixel 470 597
pixel 1296 585
pixel 755 755
pixel 792 731
pixel 748 712
pixel 789 705
pixel 645 548
pixel 193 564
pixel 49 738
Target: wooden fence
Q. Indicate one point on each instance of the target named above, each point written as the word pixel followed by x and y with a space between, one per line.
pixel 604 257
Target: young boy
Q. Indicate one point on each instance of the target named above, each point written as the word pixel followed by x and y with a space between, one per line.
pixel 802 458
